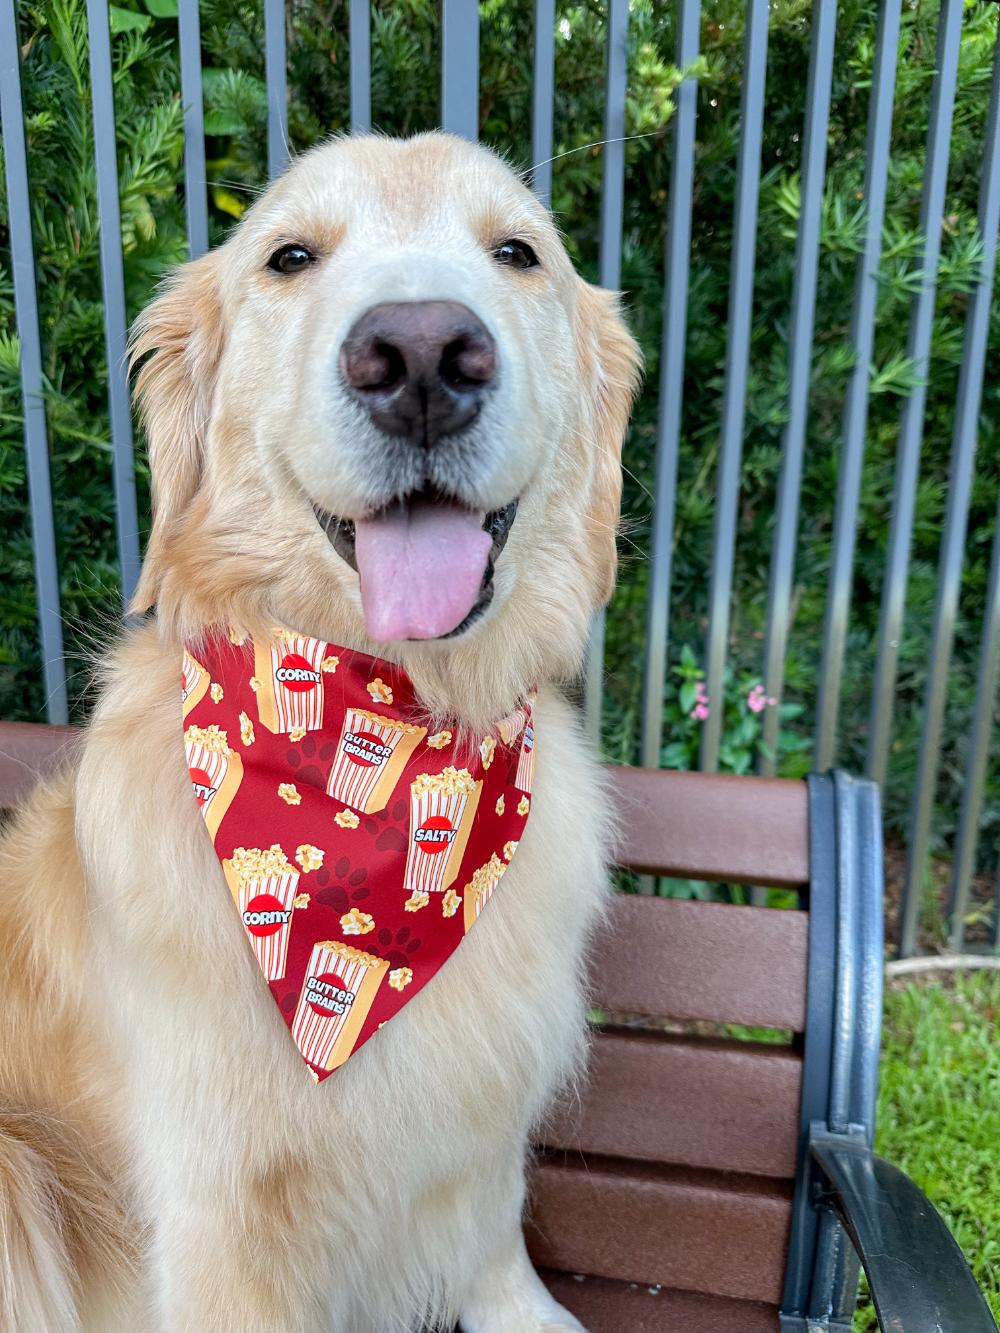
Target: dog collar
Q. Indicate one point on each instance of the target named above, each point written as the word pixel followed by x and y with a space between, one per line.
pixel 358 848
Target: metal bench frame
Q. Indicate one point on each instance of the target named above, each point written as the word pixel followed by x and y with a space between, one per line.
pixel 848 1201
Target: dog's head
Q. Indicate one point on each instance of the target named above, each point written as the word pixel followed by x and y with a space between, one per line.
pixel 388 413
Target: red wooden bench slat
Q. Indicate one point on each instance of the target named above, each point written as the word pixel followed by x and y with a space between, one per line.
pixel 712 826
pixel 695 960
pixel 622 1307
pixel 718 1234
pixel 655 1098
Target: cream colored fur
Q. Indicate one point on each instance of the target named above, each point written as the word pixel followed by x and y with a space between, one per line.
pixel 165 1161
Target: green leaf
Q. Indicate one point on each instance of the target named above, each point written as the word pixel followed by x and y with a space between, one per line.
pixel 162 9
pixel 789 742
pixel 223 123
pixel 676 755
pixel 688 694
pixel 897 375
pixel 127 20
pixel 228 202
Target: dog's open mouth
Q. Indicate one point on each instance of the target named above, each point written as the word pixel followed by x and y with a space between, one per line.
pixel 425 563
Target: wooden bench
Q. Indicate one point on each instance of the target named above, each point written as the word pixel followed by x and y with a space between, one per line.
pixel 698 1183
pixel 702 1184
pixel 674 1171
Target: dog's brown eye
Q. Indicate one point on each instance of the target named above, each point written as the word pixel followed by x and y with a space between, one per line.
pixel 516 254
pixel 291 259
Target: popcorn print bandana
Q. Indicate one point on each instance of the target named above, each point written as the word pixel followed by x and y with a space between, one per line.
pixel 358 848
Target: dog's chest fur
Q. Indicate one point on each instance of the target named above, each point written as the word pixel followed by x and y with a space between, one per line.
pixel 410 1137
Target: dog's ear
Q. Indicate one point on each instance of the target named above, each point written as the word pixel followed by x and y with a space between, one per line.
pixel 181 336
pixel 610 367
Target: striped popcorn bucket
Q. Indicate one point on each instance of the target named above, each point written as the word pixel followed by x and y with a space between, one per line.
pixel 265 906
pixel 480 889
pixel 439 827
pixel 526 761
pixel 194 683
pixel 216 772
pixel 290 697
pixel 511 726
pixel 208 769
pixel 371 754
pixel 337 994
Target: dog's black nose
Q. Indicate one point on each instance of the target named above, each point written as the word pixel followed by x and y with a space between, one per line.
pixel 421 369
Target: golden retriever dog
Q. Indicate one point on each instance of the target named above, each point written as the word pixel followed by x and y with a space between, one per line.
pixel 393 335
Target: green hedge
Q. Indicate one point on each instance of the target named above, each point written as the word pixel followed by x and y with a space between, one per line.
pixel 405 84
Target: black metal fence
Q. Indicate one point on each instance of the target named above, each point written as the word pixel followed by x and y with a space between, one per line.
pixel 460 113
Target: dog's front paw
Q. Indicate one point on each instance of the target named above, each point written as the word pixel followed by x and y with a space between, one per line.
pixel 510 1297
pixel 552 1319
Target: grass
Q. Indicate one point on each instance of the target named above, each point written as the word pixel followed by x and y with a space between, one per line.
pixel 939 1111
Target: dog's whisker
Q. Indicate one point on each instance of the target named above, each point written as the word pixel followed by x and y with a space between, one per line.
pixel 622 536
pixel 582 439
pixel 241 187
pixel 598 143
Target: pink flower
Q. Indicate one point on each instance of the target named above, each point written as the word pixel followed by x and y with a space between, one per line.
pixel 700 711
pixel 757 700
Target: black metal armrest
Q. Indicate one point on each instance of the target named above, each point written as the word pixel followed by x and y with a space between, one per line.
pixel 918 1276
pixel 848 1203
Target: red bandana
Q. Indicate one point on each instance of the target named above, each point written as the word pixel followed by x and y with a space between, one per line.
pixel 357 848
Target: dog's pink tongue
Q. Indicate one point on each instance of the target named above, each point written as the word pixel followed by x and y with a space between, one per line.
pixel 421 568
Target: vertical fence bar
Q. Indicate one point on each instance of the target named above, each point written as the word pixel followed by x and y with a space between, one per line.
pixel 673 347
pixel 612 208
pixel 740 323
pixel 276 77
pixel 613 185
pixel 855 418
pixel 195 184
pixel 360 56
pixel 979 748
pixel 963 457
pixel 671 390
pixel 800 367
pixel 36 442
pixel 912 416
pixel 113 287
pixel 541 99
pixel 460 67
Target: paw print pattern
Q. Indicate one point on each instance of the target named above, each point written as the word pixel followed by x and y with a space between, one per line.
pixel 347 892
pixel 335 897
pixel 398 946
pixel 397 812
pixel 391 840
pixel 311 760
